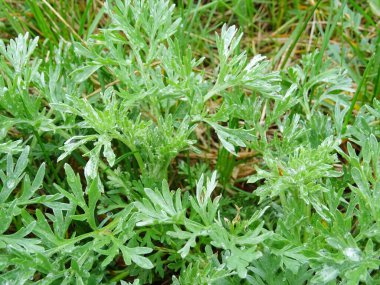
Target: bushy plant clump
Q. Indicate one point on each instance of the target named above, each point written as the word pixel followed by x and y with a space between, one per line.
pixel 121 154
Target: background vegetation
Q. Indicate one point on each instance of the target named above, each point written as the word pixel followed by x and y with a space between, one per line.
pixel 189 142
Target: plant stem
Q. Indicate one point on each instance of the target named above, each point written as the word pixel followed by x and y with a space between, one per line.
pixel 299 31
pixel 356 95
pixel 135 152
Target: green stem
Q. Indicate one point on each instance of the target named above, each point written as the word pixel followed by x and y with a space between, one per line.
pixel 361 11
pixel 47 158
pixel 307 209
pixel 135 152
pixel 283 199
pixel 92 234
pixel 84 149
pixel 326 39
pixel 376 90
pixel 356 95
pixel 226 162
pixel 299 32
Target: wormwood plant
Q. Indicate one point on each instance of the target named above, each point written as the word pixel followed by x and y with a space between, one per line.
pixel 92 134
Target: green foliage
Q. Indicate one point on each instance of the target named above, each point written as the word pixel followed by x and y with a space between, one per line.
pixel 105 121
